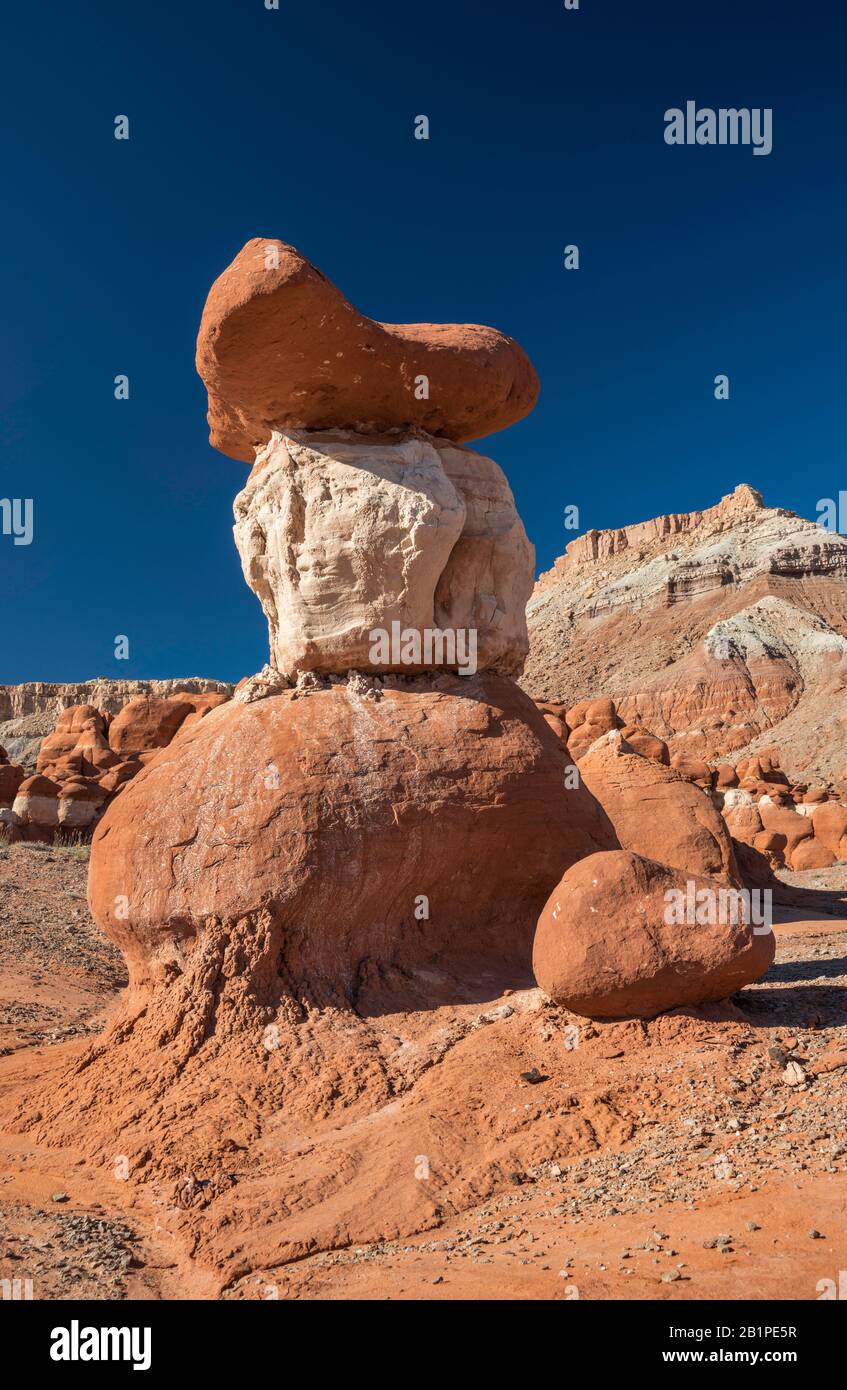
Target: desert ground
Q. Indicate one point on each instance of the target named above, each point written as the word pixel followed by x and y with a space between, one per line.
pixel 677 1158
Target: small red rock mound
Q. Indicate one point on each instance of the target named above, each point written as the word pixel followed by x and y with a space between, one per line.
pixel 617 939
pixel 333 834
pixel 148 722
pixel 640 740
pixel 657 813
pixel 280 347
pixel 587 721
pixel 37 802
pixel 11 777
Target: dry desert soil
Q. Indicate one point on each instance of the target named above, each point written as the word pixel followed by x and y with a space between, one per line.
pixel 701 1155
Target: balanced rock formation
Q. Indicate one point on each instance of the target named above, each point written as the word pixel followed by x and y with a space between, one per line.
pixel 341 535
pixel 622 936
pixel 355 808
pixel 280 348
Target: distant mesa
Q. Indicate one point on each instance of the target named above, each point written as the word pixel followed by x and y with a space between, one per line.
pixel 280 348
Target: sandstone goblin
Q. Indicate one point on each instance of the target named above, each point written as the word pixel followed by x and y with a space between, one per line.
pixel 36 802
pixel 387 813
pixel 290 836
pixel 340 843
pixel 605 948
pixel 280 348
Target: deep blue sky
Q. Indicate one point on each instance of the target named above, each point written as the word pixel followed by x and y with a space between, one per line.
pixel 546 128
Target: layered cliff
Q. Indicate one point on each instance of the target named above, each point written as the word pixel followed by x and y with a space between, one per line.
pixel 710 628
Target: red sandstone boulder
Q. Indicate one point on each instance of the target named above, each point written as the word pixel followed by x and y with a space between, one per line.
pixel 280 347
pixel 830 824
pixel 576 714
pixel 11 777
pixel 36 802
pixel 644 743
pixel 657 813
pixel 75 725
pixel 772 844
pixel 815 795
pixel 79 804
pixel 725 777
pixel 588 721
pixel 120 774
pixel 200 706
pixel 811 854
pixel 787 824
pixel 693 770
pixel 148 722
pixel 622 937
pixel 306 839
pixel 743 823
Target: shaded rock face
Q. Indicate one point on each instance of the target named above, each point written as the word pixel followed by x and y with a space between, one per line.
pixel 347 833
pixel 341 536
pixel 605 947
pixel 11 776
pixel 280 348
pixel 146 723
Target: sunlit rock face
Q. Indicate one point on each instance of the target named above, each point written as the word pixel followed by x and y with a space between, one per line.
pixel 342 536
